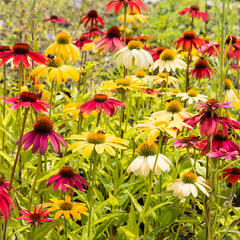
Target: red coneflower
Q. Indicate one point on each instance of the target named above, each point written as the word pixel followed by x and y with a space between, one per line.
pixel 128 39
pixel 156 52
pixel 150 91
pixel 79 42
pixel 26 100
pixel 67 177
pixel 20 53
pixel 6 205
pixel 4 48
pixel 4 185
pixel 55 18
pixel 42 130
pixel 36 217
pixel 93 18
pixel 232 175
pixel 99 102
pixel 191 141
pixel 143 38
pixel 117 4
pixel 111 41
pixel 188 41
pixel 201 69
pixel 193 11
pixel 93 31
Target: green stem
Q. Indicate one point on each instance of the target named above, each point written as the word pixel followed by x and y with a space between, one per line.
pixel 20 78
pixel 127 111
pixel 5 230
pixel 54 29
pixel 65 228
pixel 187 71
pixel 51 97
pixel 98 118
pixel 192 23
pixel 80 120
pixel 166 89
pixel 180 221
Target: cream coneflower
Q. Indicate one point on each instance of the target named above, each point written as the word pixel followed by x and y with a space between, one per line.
pixel 162 77
pixel 168 61
pixel 192 96
pixel 143 77
pixel 230 95
pixel 63 48
pixel 189 184
pixel 145 162
pixel 133 55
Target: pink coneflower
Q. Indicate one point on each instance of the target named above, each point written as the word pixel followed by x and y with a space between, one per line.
pixel 188 41
pixel 220 141
pixel 55 18
pixel 42 130
pixel 5 205
pixel 20 53
pixel 223 154
pixel 79 42
pixel 156 52
pixel 36 217
pixel 209 119
pixel 117 4
pixel 99 102
pixel 92 17
pixel 27 100
pixel 201 69
pixel 4 185
pixel 193 11
pixel 232 175
pixel 67 177
pixel 94 31
pixel 150 91
pixel 111 41
pixel 191 141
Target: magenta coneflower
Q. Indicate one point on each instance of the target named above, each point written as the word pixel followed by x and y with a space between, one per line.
pixel 36 217
pixel 223 154
pixel 156 52
pixel 79 42
pixel 4 185
pixel 201 69
pixel 191 141
pixel 99 102
pixel 94 31
pixel 193 11
pixel 27 100
pixel 150 91
pixel 111 41
pixel 55 18
pixel 20 53
pixel 232 175
pixel 5 205
pixel 67 177
pixel 43 129
pixel 92 17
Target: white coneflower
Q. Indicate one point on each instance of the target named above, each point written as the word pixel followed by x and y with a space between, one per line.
pixel 192 96
pixel 230 95
pixel 145 162
pixel 133 55
pixel 189 184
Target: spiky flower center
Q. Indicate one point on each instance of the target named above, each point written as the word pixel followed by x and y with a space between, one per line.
pixel 174 107
pixel 189 35
pixel 114 32
pixel 231 39
pixel 220 137
pixel 92 14
pixel 191 138
pixel 21 48
pixel 55 62
pixel 100 98
pixel 140 74
pixel 83 38
pixel 96 138
pixel 163 75
pixel 28 97
pixel 94 28
pixel 66 206
pixel 194 8
pixel 212 101
pixel 66 171
pixel 201 64
pixel 63 38
pixel 192 93
pixel 1 181
pixel 228 84
pixel 35 216
pixel 133 12
pixel 54 17
pixel 160 49
pixel 4 48
pixel 235 171
pixel 176 90
pixel 146 149
pixel 134 45
pixel 168 55
pixel 189 178
pixel 123 82
pixel 43 125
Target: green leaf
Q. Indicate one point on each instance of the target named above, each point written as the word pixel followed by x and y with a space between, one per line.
pixel 7 157
pixel 132 225
pixel 135 202
pixel 47 175
pixel 155 208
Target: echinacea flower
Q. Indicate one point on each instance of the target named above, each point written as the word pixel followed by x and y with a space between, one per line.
pixel 6 204
pixel 4 48
pixel 99 102
pixel 55 18
pixel 92 17
pixel 146 159
pixel 98 141
pixel 63 48
pixel 26 100
pixel 38 137
pixel 66 177
pixel 201 69
pixel 232 175
pixel 189 184
pixel 134 16
pixel 223 154
pixel 93 31
pixel 20 52
pixel 111 40
pixel 162 77
pixel 192 96
pixel 156 52
pixel 4 185
pixel 168 61
pixel 83 39
pixel 55 69
pixel 194 11
pixel 191 141
pixel 67 208
pixel 133 55
pixel 38 215
pixel 143 39
pixel 188 41
pixel 150 91
pixel 117 4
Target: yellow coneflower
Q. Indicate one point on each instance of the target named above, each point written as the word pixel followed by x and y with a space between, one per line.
pixel 134 16
pixel 230 95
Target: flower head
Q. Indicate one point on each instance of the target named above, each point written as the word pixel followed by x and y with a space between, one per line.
pixel 232 175
pixel 201 69
pixel 156 52
pixel 6 204
pixel 192 96
pixel 92 17
pixel 134 16
pixel 55 18
pixel 191 141
pixel 223 154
